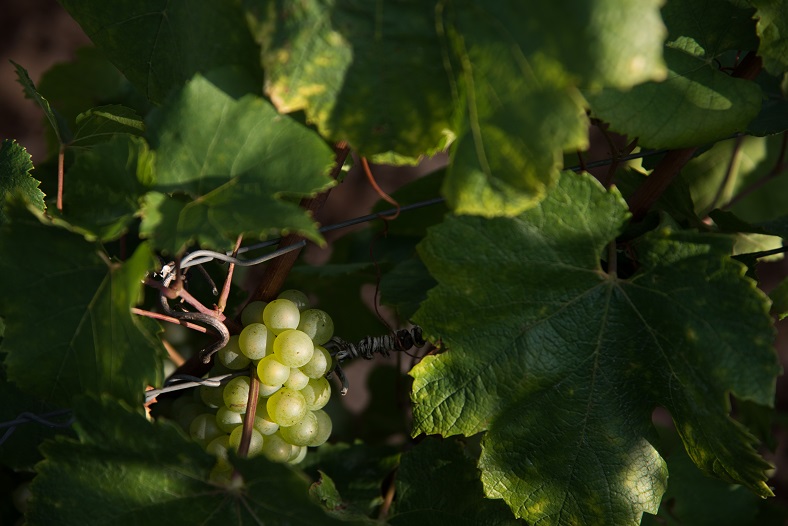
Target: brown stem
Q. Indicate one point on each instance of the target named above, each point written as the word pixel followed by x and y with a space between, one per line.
pixel 170 319
pixel 388 499
pixel 251 410
pixel 220 306
pixel 655 184
pixel 732 163
pixel 61 157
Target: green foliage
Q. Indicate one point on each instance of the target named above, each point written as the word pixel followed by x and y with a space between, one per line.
pixel 559 324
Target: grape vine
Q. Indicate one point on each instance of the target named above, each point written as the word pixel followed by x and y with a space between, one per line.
pixel 572 306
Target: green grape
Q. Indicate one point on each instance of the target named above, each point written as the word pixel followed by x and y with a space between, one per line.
pixel 203 429
pixel 296 296
pixel 262 421
pixel 303 432
pixel 317 324
pixel 211 396
pixel 271 371
pixel 299 457
pixel 286 407
pixel 255 444
pixel 227 420
pixel 184 413
pixel 218 446
pixel 253 313
pixel 293 348
pixel 280 315
pixel 231 356
pixel 297 379
pixel 324 425
pixel 316 393
pixel 267 390
pixel 236 394
pixel 276 449
pixel 320 363
pixel 255 341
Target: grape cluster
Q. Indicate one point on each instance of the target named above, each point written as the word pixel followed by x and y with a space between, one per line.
pixel 283 340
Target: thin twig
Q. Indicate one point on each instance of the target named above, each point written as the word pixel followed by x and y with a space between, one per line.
pixel 386 197
pixel 170 319
pixel 732 163
pixel 61 157
pixel 220 306
pixel 251 411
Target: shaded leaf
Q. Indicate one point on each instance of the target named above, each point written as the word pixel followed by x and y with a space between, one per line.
pixel 125 470
pixel 772 28
pixel 105 185
pixel 223 167
pixel 773 117
pixel 562 364
pixel 697 103
pixel 15 179
pixel 779 297
pixel 159 47
pixel 69 328
pixel 368 74
pixel 102 123
pixel 406 286
pixel 57 122
pixel 437 484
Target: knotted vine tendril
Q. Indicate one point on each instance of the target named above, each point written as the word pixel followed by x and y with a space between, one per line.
pixel 366 348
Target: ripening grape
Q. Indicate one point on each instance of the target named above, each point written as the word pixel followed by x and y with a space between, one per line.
pixel 280 315
pixel 236 394
pixel 317 324
pixel 303 432
pixel 271 371
pixel 203 429
pixel 293 348
pixel 296 296
pixel 297 379
pixel 324 428
pixel 286 407
pixel 211 396
pixel 263 422
pixel 255 341
pixel 231 356
pixel 301 455
pixel 276 449
pixel 316 393
pixel 320 363
pixel 268 390
pixel 227 419
pixel 255 444
pixel 253 313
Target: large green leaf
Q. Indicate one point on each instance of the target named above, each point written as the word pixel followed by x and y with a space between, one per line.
pixel 370 74
pixel 125 470
pixel 563 363
pixel 223 166
pixel 697 103
pixel 57 122
pixel 516 78
pixel 15 179
pixel 104 187
pixel 69 328
pixel 438 484
pixel 772 27
pixel 159 46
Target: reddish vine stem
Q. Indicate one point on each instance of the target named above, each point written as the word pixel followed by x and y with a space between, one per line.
pixel 779 166
pixel 379 190
pixel 273 278
pixel 61 159
pixel 732 162
pixel 655 184
pixel 170 319
pixel 220 306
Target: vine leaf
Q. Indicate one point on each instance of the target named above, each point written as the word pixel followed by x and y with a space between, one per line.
pixel 348 65
pixel 437 483
pixel 15 167
pixel 106 184
pixel 85 338
pixel 58 123
pixel 698 103
pixel 223 166
pixel 160 46
pixel 772 29
pixel 565 363
pixel 518 86
pixel 100 124
pixel 126 470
